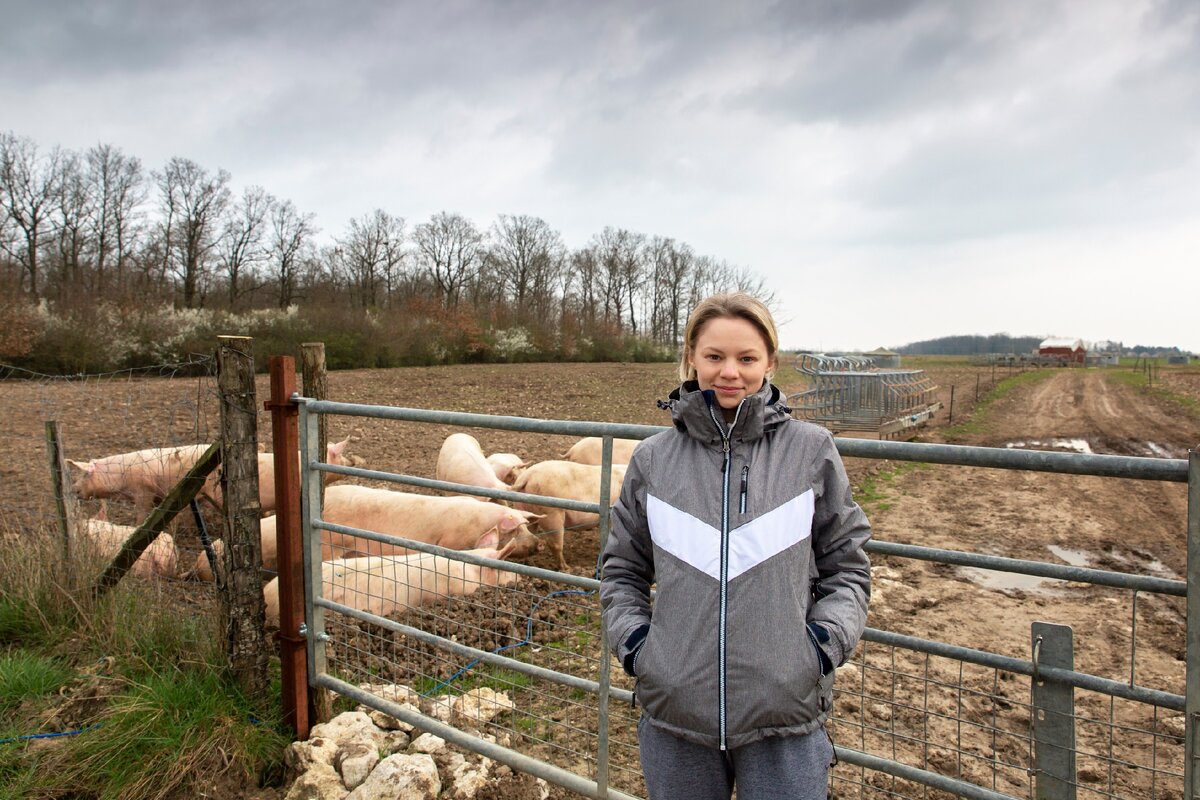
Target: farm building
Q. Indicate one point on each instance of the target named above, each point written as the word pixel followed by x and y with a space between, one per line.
pixel 1179 358
pixel 1071 351
pixel 1102 358
pixel 883 358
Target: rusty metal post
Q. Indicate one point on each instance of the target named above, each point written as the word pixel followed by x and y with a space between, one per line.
pixel 285 433
pixel 244 607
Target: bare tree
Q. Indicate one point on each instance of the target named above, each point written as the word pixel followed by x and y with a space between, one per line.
pixel 117 187
pixel 670 264
pixel 72 209
pixel 193 201
pixel 28 187
pixel 585 269
pixel 450 248
pixel 372 255
pixel 617 252
pixel 243 240
pixel 290 234
pixel 524 253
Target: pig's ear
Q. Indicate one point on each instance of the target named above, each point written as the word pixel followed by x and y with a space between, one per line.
pixel 490 539
pixel 530 516
pixel 85 467
pixel 333 450
pixel 102 514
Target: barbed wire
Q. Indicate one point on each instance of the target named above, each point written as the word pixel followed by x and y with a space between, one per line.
pixel 167 370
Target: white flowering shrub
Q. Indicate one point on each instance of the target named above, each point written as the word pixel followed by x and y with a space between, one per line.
pixel 513 344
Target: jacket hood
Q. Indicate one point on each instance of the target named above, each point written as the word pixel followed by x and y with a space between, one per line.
pixel 692 411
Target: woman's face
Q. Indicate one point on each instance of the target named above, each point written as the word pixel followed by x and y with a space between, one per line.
pixel 732 359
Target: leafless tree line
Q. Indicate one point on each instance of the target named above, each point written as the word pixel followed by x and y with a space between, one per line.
pixel 75 227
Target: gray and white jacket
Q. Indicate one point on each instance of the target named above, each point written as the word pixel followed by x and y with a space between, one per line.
pixel 756 547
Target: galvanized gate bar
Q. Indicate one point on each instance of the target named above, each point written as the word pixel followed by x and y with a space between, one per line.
pixel 1191 749
pixel 1103 466
pixel 1053 714
pixel 512 758
pixel 606 447
pixel 310 510
pixel 527 424
pixel 1097 577
pixel 1164 469
pixel 1080 680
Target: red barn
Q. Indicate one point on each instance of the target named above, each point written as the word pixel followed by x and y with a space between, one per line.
pixel 1071 351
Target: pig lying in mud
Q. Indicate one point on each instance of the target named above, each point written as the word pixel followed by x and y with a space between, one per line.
pixel 384 585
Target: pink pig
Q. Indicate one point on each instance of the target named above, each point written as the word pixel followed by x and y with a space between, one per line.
pixel 461 461
pixel 384 585
pixel 334 454
pixel 507 466
pixel 456 523
pixel 588 450
pixel 160 559
pixel 568 481
pixel 142 477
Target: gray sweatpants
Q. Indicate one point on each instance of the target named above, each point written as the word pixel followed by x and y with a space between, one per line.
pixel 775 768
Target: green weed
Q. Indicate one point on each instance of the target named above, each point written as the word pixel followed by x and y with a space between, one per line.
pixel 24 676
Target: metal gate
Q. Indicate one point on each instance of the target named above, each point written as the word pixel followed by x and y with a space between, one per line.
pixel 567 713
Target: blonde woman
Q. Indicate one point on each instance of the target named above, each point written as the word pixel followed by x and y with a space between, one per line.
pixel 743 518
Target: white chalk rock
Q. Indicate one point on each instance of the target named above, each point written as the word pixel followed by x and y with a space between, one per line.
pixel 468 778
pixel 300 757
pixel 442 709
pixel 401 777
pixel 481 705
pixel 428 743
pixel 319 782
pixel 355 760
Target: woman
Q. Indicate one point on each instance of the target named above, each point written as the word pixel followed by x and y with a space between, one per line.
pixel 743 517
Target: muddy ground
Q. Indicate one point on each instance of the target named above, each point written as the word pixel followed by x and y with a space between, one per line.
pixel 932 713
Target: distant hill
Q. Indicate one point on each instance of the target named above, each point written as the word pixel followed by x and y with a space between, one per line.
pixel 972 345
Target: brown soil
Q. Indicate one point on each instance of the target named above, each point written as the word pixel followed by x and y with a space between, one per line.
pixel 1125 525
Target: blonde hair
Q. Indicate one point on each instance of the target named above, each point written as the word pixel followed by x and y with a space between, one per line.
pixel 732 305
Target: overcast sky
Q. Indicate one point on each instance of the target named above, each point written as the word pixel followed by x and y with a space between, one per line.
pixel 896 171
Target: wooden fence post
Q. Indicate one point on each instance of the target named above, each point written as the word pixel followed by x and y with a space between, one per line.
pixel 244 608
pixel 293 651
pixel 313 383
pixel 64 499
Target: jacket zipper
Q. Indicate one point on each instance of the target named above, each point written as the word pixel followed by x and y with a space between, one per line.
pixel 745 482
pixel 725 475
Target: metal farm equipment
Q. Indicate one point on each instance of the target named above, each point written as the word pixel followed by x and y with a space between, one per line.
pixel 846 393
